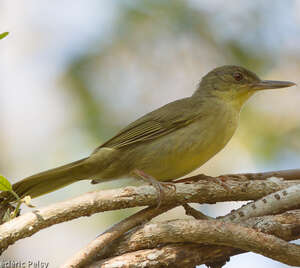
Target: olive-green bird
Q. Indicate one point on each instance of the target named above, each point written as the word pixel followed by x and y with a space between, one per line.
pixel 167 143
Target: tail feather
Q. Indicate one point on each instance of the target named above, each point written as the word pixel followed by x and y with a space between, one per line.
pixel 51 180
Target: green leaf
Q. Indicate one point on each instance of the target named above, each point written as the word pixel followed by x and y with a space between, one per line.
pixel 4 35
pixel 5 184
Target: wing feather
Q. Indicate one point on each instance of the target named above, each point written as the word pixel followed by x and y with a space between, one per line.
pixel 155 124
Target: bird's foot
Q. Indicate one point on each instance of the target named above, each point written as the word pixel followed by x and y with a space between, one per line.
pixel 158 185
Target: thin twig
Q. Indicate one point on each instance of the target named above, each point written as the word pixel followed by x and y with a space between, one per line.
pixel 196 213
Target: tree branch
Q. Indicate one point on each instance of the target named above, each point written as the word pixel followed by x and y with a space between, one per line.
pixel 86 255
pixel 284 199
pixel 289 174
pixel 185 255
pixel 279 201
pixel 203 191
pixel 133 244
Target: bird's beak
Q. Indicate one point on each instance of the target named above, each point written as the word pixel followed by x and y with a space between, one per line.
pixel 269 84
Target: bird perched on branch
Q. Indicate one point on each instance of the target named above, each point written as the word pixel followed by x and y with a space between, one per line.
pixel 166 143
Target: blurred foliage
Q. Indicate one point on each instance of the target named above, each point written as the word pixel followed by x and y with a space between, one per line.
pixel 140 28
pixel 266 141
pixel 92 109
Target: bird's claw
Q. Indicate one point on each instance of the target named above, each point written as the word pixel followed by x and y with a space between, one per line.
pixel 156 184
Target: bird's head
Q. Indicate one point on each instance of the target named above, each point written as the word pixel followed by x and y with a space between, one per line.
pixel 235 84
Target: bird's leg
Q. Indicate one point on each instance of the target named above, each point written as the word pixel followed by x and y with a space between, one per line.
pixel 158 185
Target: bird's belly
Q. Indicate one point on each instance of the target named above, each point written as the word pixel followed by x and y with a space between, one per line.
pixel 186 149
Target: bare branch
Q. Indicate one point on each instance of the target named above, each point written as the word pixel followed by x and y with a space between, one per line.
pixel 273 203
pixel 286 226
pixel 290 174
pixel 86 255
pixel 185 255
pixel 203 191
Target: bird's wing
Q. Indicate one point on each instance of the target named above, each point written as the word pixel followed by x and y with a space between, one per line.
pixel 157 123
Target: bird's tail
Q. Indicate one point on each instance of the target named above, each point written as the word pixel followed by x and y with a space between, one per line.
pixel 51 180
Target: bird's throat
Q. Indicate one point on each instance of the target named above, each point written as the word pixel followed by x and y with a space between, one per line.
pixel 234 98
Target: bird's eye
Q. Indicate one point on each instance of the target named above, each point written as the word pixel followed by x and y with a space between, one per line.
pixel 238 76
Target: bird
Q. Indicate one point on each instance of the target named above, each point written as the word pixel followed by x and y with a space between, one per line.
pixel 166 143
